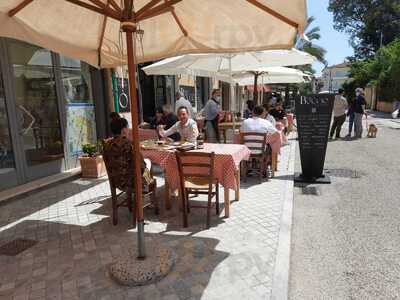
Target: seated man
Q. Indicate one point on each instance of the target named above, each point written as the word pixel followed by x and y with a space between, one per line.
pixel 186 127
pixel 257 123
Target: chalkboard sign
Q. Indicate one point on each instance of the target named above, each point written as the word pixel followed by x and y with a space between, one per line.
pixel 313 115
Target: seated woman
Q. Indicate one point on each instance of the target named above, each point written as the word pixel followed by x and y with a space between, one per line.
pixel 267 116
pixel 277 112
pixel 120 140
pixel 186 127
pixel 125 130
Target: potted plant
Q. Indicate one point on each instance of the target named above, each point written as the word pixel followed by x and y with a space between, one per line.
pixel 92 163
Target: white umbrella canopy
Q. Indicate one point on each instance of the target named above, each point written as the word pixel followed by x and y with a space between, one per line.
pixel 170 27
pixel 221 66
pixel 274 79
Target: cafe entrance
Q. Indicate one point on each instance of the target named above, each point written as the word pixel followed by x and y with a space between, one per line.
pixel 46 112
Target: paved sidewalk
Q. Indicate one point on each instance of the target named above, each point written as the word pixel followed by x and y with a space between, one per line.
pixel 235 259
pixel 346 236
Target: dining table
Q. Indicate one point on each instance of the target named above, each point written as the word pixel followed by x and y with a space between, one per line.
pixel 226 167
pixel 223 127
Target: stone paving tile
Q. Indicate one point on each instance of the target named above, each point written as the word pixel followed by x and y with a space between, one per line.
pixel 234 259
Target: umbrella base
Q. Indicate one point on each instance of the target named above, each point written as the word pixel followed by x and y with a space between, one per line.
pixel 131 271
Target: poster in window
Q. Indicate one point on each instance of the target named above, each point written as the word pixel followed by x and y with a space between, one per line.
pixel 81 126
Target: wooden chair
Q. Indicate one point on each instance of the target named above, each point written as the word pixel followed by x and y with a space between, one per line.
pixel 259 157
pixel 196 172
pixel 118 157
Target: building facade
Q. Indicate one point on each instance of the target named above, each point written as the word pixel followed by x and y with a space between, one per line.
pixel 333 77
pixel 50 105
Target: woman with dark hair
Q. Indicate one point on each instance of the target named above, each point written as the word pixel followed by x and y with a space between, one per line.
pixel 158 118
pixel 114 116
pixel 267 115
pixel 248 113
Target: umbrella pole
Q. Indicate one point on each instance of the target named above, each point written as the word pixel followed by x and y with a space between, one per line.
pixel 255 91
pixel 157 261
pixel 129 29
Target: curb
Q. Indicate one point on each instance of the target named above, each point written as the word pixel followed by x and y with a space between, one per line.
pixel 280 280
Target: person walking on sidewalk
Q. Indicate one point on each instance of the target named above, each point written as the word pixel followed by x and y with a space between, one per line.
pixel 339 114
pixel 359 111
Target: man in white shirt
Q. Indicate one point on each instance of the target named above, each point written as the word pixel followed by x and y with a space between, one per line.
pixel 339 114
pixel 186 127
pixel 257 123
pixel 181 101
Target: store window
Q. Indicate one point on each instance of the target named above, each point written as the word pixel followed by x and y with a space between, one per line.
pixel 36 103
pixel 7 162
pixel 80 110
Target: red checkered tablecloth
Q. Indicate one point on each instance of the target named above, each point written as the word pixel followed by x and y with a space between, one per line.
pixel 147 134
pixel 227 161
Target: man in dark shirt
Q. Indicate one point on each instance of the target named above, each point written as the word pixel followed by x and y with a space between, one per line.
pixel 359 110
pixel 169 119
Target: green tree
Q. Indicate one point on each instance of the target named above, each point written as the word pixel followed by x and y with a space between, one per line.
pixel 369 23
pixel 382 70
pixel 313 34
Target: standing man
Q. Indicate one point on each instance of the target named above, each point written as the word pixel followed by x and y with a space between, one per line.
pixel 182 101
pixel 359 111
pixel 339 114
pixel 210 113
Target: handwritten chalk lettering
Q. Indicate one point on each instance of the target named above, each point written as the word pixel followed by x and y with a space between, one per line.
pixel 313 113
pixel 313 100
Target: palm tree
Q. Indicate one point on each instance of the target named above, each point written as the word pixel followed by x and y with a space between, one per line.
pixel 308 45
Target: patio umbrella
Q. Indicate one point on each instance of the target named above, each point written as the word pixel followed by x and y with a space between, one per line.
pixel 221 66
pixel 90 30
pixel 273 75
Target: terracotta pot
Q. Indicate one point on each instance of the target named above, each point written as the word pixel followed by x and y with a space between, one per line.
pixel 93 167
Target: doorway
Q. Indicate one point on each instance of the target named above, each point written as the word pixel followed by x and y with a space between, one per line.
pixel 31 140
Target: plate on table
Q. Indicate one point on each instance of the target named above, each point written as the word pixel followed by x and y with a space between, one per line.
pixel 149 144
pixel 186 147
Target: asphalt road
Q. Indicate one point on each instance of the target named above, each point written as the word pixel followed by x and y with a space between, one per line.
pixel 346 239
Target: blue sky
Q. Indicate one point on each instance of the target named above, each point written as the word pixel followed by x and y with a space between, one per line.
pixel 336 43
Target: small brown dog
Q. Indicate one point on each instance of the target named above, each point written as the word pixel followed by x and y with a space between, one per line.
pixel 372 131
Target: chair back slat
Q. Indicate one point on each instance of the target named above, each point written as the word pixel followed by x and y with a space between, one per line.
pixel 196 165
pixel 255 141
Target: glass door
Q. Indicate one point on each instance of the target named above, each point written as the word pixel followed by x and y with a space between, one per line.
pixel 36 110
pixel 8 173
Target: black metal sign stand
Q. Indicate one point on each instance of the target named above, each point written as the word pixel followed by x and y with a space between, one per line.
pixel 313 115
